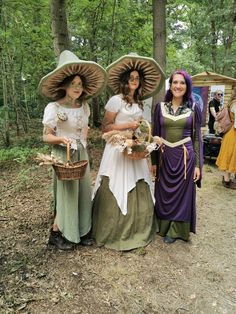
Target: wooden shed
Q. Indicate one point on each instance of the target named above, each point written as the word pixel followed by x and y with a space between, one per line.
pixel 209 79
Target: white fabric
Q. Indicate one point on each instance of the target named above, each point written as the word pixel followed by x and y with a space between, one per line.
pixel 126 112
pixel 123 172
pixel 75 127
pixel 178 143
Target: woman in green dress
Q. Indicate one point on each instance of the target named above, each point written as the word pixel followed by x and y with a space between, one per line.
pixel 65 121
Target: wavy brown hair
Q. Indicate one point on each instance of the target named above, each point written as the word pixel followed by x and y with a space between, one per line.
pixel 124 87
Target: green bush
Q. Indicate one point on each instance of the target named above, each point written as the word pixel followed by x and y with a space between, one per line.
pixel 21 154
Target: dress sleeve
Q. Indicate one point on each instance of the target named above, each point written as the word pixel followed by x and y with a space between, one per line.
pixel 156 131
pixel 197 141
pixel 212 104
pixel 114 104
pixel 50 116
pixel 87 109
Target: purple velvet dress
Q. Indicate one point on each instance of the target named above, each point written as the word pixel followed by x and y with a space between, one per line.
pixel 180 153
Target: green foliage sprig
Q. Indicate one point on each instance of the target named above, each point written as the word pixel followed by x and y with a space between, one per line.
pixel 20 154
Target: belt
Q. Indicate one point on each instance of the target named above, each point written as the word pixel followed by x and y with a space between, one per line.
pixel 175 144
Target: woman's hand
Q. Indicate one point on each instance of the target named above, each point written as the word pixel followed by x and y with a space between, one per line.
pixel 134 125
pixel 65 140
pixel 154 171
pixel 196 174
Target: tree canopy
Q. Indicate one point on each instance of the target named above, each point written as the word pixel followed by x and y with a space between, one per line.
pixel 200 37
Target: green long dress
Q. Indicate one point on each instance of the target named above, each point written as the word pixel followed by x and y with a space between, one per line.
pixel 72 199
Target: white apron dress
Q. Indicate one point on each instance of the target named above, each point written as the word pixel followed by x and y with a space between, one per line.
pixel 124 175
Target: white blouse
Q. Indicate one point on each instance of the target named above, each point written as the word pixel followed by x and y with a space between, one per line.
pixel 71 123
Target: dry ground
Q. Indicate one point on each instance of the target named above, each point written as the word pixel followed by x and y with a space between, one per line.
pixel 195 277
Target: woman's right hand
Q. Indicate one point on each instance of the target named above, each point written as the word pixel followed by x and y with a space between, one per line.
pixel 64 140
pixel 134 125
pixel 154 171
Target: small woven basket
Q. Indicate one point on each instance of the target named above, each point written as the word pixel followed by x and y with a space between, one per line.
pixel 70 170
pixel 138 150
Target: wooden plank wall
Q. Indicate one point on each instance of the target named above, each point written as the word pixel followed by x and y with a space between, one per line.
pixel 214 80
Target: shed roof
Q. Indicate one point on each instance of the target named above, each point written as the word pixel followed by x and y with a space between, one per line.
pixel 213 77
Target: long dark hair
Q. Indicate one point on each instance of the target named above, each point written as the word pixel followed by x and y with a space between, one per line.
pixel 66 83
pixel 187 98
pixel 124 87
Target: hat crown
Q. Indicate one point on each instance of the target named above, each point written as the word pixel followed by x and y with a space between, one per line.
pixel 67 57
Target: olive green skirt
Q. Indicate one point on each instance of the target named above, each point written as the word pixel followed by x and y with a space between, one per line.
pixel 121 232
pixel 174 229
pixel 72 199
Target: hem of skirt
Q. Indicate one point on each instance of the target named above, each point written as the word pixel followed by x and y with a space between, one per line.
pixel 124 248
pixel 82 235
pixel 232 171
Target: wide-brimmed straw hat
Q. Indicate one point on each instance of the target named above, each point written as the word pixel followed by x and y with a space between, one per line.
pixel 154 76
pixel 69 64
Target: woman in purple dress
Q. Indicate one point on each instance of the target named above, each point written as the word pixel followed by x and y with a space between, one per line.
pixel 177 164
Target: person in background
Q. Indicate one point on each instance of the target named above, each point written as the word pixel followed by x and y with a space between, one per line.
pixel 226 160
pixel 123 205
pixel 214 107
pixel 177 165
pixel 65 121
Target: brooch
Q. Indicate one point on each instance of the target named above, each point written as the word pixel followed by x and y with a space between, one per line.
pixel 62 116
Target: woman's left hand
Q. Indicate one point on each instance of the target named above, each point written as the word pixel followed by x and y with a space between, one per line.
pixel 196 175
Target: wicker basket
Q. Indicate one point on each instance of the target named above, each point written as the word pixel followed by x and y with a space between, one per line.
pixel 70 171
pixel 139 151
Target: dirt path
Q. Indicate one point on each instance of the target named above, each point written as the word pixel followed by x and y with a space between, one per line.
pixel 195 277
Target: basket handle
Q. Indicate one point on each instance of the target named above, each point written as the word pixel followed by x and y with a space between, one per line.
pixel 149 129
pixel 68 152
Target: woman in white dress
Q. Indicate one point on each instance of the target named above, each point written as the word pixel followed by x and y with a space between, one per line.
pixel 123 207
pixel 65 121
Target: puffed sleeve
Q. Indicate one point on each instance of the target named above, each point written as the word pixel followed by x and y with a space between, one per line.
pixel 114 104
pixel 87 109
pixel 50 116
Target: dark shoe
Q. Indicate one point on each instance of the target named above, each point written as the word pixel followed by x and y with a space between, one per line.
pixel 168 240
pixel 59 241
pixel 226 184
pixel 232 185
pixel 86 242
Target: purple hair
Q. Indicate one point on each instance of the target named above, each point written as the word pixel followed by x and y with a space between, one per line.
pixel 188 98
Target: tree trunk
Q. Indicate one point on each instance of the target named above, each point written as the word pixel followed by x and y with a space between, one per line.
pixel 112 34
pixel 61 40
pixel 214 39
pixel 5 132
pixel 15 104
pixel 159 41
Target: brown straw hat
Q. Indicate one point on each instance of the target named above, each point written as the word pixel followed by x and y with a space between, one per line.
pixel 154 76
pixel 69 64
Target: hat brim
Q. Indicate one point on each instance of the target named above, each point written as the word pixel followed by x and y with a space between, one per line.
pixel 154 76
pixel 94 75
